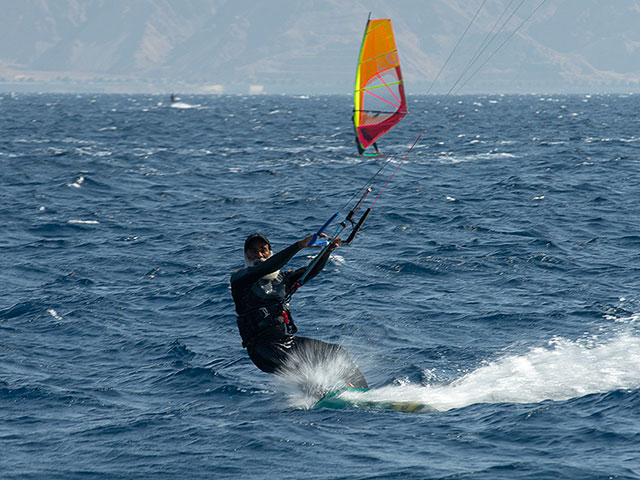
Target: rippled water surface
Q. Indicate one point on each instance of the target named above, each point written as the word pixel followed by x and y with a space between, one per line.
pixel 496 280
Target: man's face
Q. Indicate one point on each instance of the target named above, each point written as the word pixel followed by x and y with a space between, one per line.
pixel 258 250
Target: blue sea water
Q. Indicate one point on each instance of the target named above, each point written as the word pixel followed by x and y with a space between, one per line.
pixel 497 280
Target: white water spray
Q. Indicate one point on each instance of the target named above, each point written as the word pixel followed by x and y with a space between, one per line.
pixel 561 370
pixel 312 371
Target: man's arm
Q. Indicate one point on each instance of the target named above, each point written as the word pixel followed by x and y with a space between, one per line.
pixel 317 268
pixel 245 277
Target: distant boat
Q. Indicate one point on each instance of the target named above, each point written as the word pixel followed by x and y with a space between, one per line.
pixel 177 103
pixel 379 98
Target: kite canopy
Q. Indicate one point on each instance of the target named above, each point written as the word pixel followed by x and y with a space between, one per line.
pixel 379 99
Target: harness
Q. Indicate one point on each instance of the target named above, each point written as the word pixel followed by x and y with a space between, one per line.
pixel 265 318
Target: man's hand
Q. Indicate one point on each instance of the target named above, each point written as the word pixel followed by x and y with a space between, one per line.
pixel 335 243
pixel 304 242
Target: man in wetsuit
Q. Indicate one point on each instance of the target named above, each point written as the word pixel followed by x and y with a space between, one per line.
pixel 266 326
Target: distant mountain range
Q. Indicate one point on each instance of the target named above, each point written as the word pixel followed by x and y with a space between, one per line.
pixel 311 46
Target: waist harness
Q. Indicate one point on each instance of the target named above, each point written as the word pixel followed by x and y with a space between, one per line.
pixel 268 317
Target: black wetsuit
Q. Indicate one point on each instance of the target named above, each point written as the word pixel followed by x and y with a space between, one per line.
pixel 265 323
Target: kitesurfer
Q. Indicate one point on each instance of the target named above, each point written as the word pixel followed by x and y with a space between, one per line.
pixel 260 292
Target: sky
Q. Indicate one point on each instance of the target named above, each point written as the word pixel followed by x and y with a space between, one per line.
pixel 311 46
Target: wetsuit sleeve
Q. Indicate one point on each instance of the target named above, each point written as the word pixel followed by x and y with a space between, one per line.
pixel 295 275
pixel 245 277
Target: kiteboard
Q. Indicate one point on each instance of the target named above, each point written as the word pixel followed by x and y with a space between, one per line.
pixel 340 398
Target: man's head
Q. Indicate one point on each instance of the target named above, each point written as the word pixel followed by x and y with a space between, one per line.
pixel 256 249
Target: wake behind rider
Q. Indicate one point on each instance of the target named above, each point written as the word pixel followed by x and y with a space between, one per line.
pixel 266 326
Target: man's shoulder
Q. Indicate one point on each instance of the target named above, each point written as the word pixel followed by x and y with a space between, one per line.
pixel 237 274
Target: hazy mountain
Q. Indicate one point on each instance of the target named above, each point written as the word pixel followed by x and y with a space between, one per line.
pixel 310 46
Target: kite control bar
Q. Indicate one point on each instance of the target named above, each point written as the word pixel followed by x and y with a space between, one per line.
pixel 356 228
pixel 314 242
pixel 325 244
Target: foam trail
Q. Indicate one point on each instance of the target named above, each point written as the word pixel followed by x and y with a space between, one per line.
pixel 183 105
pixel 83 222
pixel 561 370
pixel 564 369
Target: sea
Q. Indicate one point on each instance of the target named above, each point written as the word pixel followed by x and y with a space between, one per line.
pixel 496 281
